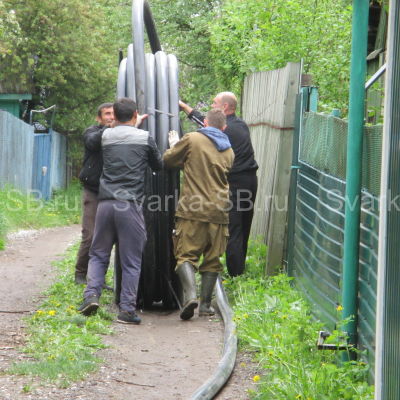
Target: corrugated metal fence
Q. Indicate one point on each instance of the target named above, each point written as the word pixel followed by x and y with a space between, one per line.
pixel 16 152
pixel 30 161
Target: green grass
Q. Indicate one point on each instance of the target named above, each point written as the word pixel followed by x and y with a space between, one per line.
pixel 62 344
pixel 23 211
pixel 275 324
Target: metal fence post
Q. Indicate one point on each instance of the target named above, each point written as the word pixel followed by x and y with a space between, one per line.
pixel 353 168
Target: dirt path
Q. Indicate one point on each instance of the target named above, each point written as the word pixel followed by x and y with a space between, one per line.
pixel 163 358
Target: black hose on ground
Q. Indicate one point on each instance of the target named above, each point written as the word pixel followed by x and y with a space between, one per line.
pixel 216 382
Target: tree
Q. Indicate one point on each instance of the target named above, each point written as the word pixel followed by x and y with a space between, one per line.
pixel 253 36
pixel 13 76
pixel 67 57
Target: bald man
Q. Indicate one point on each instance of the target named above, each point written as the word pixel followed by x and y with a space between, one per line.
pixel 242 179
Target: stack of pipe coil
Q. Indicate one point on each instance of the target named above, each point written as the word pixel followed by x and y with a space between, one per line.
pixel 151 80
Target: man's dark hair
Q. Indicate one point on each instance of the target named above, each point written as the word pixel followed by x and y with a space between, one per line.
pixel 216 118
pixel 101 107
pixel 124 109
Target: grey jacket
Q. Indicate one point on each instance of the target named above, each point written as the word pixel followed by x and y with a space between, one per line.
pixel 127 153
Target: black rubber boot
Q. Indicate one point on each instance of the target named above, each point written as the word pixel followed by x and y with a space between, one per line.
pixel 208 280
pixel 187 277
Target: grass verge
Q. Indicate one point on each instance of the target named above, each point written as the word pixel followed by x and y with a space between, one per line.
pixel 274 323
pixel 23 211
pixel 61 342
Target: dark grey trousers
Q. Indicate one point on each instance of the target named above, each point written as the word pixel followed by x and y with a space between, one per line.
pixel 89 207
pixel 122 222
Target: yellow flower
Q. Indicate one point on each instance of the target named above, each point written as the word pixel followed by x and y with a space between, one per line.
pixel 39 312
pixel 339 308
pixel 245 315
pixel 256 378
pixel 276 335
pixel 52 312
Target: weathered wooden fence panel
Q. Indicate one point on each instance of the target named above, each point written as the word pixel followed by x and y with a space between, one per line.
pixel 268 108
pixel 16 152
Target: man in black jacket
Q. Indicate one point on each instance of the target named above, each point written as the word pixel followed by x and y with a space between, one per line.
pixel 89 177
pixel 127 154
pixel 242 179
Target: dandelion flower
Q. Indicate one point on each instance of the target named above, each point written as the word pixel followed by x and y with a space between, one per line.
pixel 339 308
pixel 52 312
pixel 256 378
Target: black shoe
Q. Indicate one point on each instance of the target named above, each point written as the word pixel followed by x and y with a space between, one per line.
pixel 125 317
pixel 80 279
pixel 89 306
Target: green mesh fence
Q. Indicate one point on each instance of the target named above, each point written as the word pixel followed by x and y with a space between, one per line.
pixel 323 145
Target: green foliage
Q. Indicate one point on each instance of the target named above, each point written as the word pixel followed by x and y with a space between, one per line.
pixel 67 53
pixel 68 50
pixel 23 211
pixel 62 343
pixel 253 36
pixel 13 71
pixel 274 322
pixel 183 28
pixel 3 229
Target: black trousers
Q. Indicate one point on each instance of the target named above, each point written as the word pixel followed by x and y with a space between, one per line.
pixel 243 189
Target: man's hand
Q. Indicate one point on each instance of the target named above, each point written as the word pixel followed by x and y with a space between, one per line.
pixel 173 138
pixel 185 107
pixel 140 119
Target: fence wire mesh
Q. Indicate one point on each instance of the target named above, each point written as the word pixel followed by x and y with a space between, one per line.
pixel 323 144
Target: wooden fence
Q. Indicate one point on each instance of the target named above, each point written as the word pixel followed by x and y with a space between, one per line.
pixel 268 108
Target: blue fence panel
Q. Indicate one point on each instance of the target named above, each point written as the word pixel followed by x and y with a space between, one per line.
pixel 58 167
pixel 30 161
pixel 16 152
pixel 41 169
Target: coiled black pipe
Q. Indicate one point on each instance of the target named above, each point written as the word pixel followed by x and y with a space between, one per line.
pixel 152 81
